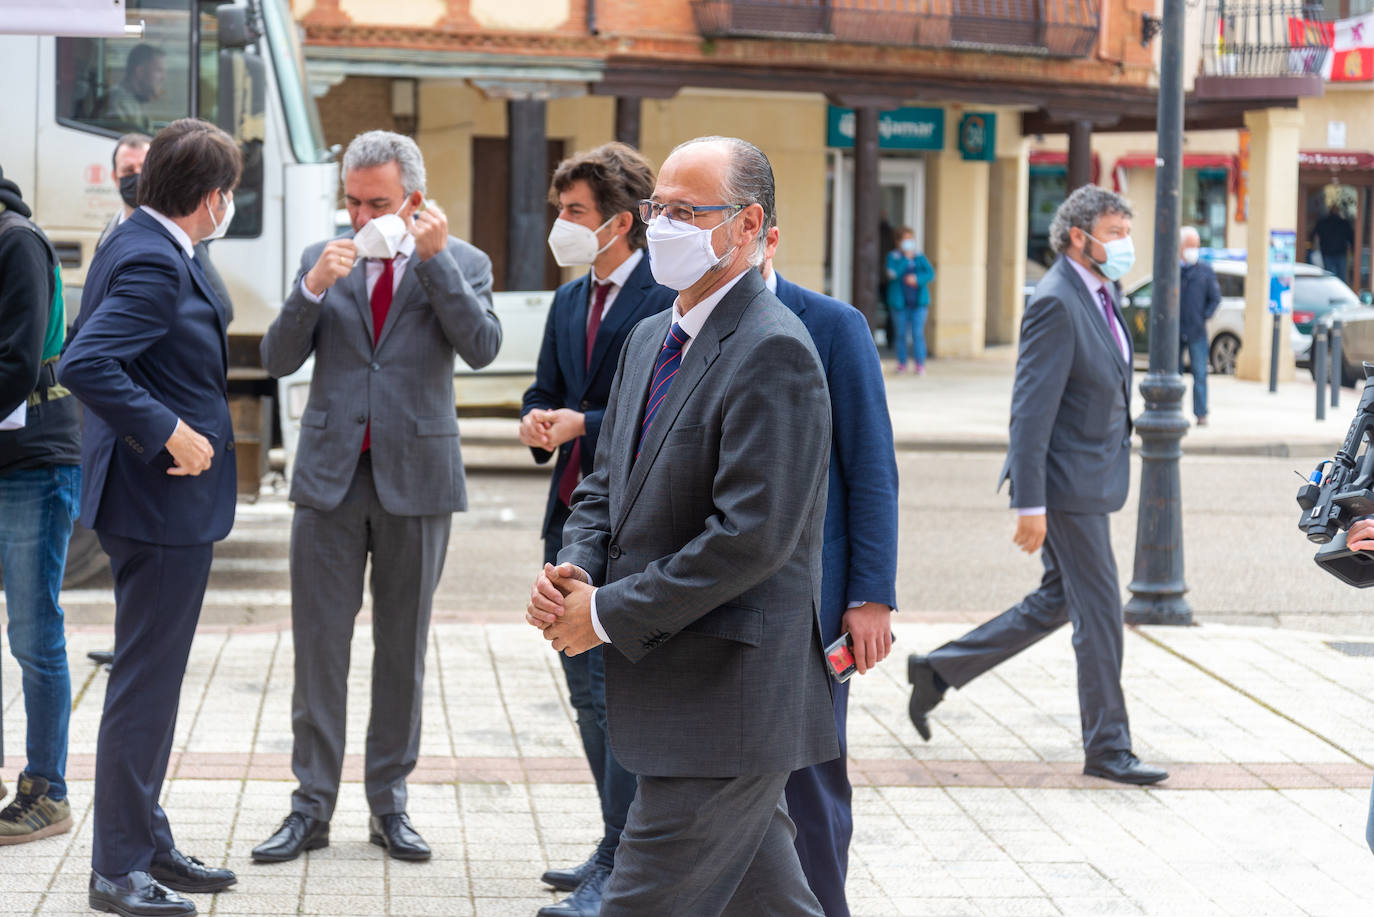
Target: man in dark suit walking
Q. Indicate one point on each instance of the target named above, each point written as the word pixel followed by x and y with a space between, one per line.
pixel 859 561
pixel 378 474
pixel 597 194
pixel 149 362
pixel 1199 294
pixel 1069 464
pixel 701 528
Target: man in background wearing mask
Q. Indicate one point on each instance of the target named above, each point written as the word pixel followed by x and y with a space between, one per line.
pixel 694 550
pixel 1199 294
pixel 147 360
pixel 1069 463
pixel 127 161
pixel 597 194
pixel 378 472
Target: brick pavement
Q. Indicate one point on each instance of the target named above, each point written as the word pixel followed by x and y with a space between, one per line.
pixel 1268 733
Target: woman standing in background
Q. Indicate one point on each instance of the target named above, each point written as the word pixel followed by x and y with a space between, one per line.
pixel 909 273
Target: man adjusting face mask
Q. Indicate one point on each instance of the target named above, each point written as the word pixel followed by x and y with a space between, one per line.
pixel 381 236
pixel 680 254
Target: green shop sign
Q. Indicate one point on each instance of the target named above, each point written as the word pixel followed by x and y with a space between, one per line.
pixel 978 136
pixel 899 129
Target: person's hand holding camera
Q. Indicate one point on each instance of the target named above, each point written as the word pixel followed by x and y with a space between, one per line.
pixel 1361 535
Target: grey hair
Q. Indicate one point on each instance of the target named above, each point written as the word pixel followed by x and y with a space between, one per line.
pixel 748 179
pixel 377 148
pixel 1189 230
pixel 1083 209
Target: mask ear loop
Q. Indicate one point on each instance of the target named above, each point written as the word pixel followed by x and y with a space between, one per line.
pixel 598 229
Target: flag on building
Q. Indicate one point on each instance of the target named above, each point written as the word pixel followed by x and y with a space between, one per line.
pixel 1351 58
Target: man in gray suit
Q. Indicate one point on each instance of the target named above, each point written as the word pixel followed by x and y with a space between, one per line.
pixel 701 526
pixel 378 472
pixel 1069 464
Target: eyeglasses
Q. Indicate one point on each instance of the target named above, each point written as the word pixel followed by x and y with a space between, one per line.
pixel 680 213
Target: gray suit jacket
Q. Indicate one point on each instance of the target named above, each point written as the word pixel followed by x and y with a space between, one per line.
pixel 1070 406
pixel 404 384
pixel 708 548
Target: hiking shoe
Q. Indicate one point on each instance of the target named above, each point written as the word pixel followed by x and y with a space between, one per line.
pixel 31 815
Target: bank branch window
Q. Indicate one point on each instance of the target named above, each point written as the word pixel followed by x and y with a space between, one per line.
pixel 116 86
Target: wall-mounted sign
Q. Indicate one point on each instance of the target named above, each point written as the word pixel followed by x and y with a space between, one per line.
pixel 899 129
pixel 978 136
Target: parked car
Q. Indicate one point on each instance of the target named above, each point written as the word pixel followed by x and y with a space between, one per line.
pixel 1316 294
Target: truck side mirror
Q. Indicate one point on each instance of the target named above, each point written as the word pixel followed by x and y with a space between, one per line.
pixel 237 26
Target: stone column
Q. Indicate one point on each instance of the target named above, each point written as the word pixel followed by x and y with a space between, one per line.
pixel 1009 190
pixel 1274 135
pixel 528 193
pixel 957 245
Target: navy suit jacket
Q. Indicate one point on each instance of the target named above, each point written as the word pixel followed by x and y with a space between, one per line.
pixel 149 348
pixel 1199 295
pixel 859 560
pixel 564 379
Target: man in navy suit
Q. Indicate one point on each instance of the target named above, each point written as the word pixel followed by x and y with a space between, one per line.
pixel 148 361
pixel 596 193
pixel 859 559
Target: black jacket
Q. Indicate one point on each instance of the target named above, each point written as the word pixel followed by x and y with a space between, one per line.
pixel 28 284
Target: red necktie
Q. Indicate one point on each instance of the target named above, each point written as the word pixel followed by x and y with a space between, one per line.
pixel 572 472
pixel 382 292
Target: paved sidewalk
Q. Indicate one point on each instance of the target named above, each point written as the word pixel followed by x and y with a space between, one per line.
pixel 1269 735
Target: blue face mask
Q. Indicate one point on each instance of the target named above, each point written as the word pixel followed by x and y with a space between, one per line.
pixel 1120 257
pixel 909 246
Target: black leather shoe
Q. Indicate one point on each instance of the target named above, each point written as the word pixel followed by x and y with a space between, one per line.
pixel 585 901
pixel 398 836
pixel 925 693
pixel 1124 767
pixel 296 834
pixel 101 657
pixel 137 895
pixel 181 873
pixel 567 880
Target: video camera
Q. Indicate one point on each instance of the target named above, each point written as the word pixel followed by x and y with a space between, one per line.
pixel 1340 491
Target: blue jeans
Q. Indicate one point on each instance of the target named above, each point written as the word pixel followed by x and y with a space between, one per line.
pixel 911 323
pixel 1198 355
pixel 37 509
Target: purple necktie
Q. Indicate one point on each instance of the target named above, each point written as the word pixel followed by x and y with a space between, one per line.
pixel 665 367
pixel 1106 299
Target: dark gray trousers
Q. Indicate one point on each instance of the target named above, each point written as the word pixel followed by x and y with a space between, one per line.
pixel 329 552
pixel 700 847
pixel 1079 585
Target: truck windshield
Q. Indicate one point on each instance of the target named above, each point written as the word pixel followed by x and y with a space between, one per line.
pixel 302 118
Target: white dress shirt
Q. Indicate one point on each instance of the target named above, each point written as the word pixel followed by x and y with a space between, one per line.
pixel 616 279
pixel 177 232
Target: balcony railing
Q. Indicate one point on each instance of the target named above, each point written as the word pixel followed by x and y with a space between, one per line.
pixel 1047 28
pixel 1262 43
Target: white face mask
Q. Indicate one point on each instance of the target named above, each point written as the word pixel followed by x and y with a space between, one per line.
pixel 1190 255
pixel 381 236
pixel 220 228
pixel 574 245
pixel 680 254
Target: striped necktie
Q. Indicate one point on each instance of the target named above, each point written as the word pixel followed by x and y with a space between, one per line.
pixel 665 368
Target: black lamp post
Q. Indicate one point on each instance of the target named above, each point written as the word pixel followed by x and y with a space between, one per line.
pixel 1157 586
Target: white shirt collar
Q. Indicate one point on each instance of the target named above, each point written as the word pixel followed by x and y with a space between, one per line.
pixel 771 281
pixel 623 271
pixel 696 317
pixel 177 232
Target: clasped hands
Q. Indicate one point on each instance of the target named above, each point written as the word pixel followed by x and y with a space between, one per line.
pixel 561 607
pixel 547 430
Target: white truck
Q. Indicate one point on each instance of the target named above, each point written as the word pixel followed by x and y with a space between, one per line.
pixel 239 65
